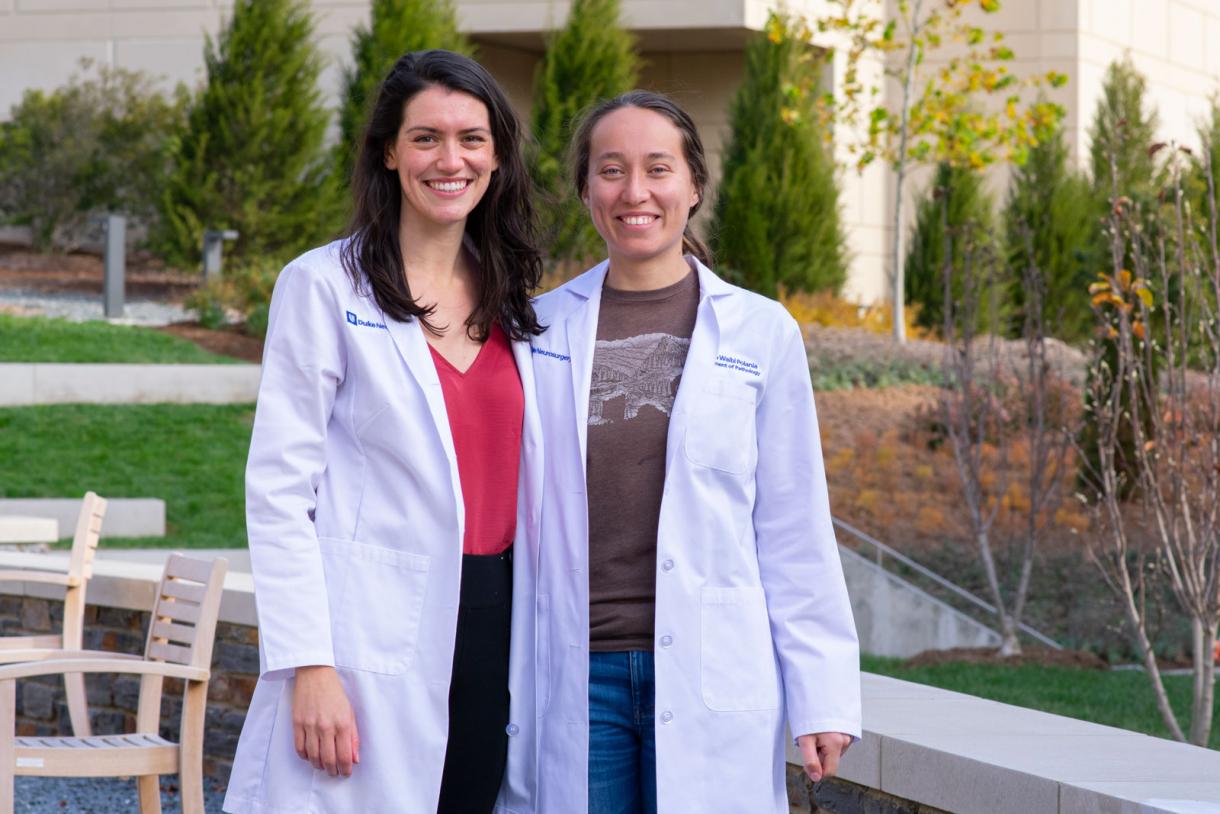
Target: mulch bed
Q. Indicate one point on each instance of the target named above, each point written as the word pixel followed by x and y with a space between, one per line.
pixel 82 272
pixel 229 341
pixel 1041 656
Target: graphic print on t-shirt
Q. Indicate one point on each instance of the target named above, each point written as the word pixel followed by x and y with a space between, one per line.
pixel 639 369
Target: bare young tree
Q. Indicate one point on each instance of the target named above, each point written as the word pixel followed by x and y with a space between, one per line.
pixel 991 400
pixel 1159 380
pixel 971 411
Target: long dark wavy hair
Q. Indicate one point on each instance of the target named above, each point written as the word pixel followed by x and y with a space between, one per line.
pixel 692 151
pixel 501 227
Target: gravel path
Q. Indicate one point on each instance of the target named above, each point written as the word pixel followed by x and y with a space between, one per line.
pixel 101 795
pixel 80 307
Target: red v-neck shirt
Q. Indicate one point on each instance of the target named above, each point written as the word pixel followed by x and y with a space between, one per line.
pixel 486 409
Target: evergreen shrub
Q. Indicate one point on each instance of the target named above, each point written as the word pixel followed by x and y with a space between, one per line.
pixel 251 157
pixel 777 223
pixel 1051 223
pixel 954 215
pixel 591 58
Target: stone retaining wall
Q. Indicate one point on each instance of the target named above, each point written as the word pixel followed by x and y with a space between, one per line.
pixel 113 699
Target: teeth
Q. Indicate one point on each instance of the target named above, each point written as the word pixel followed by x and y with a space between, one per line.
pixel 447 186
pixel 640 220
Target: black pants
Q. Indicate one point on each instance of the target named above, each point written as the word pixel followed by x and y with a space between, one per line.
pixel 478 691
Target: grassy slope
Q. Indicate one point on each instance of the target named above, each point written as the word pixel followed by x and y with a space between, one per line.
pixel 38 339
pixel 1115 698
pixel 191 456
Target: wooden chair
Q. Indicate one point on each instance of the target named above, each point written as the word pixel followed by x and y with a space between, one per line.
pixel 80 568
pixel 180 635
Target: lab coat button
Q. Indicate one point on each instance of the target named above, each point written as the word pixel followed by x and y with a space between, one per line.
pixel 511 729
pixel 667 566
pixel 666 717
pixel 667 640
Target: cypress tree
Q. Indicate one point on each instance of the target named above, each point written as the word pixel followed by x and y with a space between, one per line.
pixel 251 156
pixel 1123 127
pixel 955 214
pixel 1050 223
pixel 777 221
pixel 395 27
pixel 591 58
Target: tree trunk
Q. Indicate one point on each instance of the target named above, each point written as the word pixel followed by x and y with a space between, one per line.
pixel 900 167
pixel 1203 641
pixel 1010 645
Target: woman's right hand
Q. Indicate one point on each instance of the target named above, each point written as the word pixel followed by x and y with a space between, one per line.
pixel 323 724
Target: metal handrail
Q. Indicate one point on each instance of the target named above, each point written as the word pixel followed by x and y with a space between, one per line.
pixel 939 580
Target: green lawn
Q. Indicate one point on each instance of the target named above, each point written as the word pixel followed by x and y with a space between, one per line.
pixel 191 456
pixel 1120 698
pixel 39 339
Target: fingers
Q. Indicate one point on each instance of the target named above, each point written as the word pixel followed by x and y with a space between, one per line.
pixel 329 759
pixel 809 757
pixel 355 744
pixel 313 747
pixel 344 753
pixel 298 741
pixel 830 748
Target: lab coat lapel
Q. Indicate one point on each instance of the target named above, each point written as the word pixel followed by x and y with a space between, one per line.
pixel 408 338
pixel 704 346
pixel 581 333
pixel 531 430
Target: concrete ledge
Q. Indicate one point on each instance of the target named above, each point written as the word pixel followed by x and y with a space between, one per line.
pixel 28 384
pixel 961 753
pixel 125 517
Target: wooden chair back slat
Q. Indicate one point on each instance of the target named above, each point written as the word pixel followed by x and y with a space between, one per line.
pixel 179 588
pixel 173 653
pixel 88 531
pixel 173 610
pixel 173 632
pixel 188 601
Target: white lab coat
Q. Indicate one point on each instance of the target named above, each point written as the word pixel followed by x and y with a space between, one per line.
pixel 753 622
pixel 355 519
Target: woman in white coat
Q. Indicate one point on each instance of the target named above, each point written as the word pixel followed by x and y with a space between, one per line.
pixel 691 600
pixel 392 488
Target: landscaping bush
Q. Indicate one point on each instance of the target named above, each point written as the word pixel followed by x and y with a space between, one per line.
pixel 1051 224
pixel 395 27
pixel 241 295
pixel 252 157
pixel 95 145
pixel 777 221
pixel 955 215
pixel 591 58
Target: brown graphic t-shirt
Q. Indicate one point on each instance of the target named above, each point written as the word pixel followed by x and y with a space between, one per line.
pixel 642 338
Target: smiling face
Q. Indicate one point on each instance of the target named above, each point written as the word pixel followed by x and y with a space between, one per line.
pixel 443 154
pixel 640 190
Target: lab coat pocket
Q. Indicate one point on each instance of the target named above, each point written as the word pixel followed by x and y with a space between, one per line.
pixel 720 431
pixel 738 659
pixel 375 628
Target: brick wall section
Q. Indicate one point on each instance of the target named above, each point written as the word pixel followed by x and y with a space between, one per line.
pixel 113 699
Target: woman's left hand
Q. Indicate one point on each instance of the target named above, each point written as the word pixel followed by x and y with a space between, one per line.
pixel 821 753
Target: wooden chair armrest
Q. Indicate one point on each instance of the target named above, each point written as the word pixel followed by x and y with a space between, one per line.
pixel 52 654
pixel 30 669
pixel 49 577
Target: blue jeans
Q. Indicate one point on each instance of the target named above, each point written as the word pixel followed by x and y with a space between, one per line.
pixel 622 743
